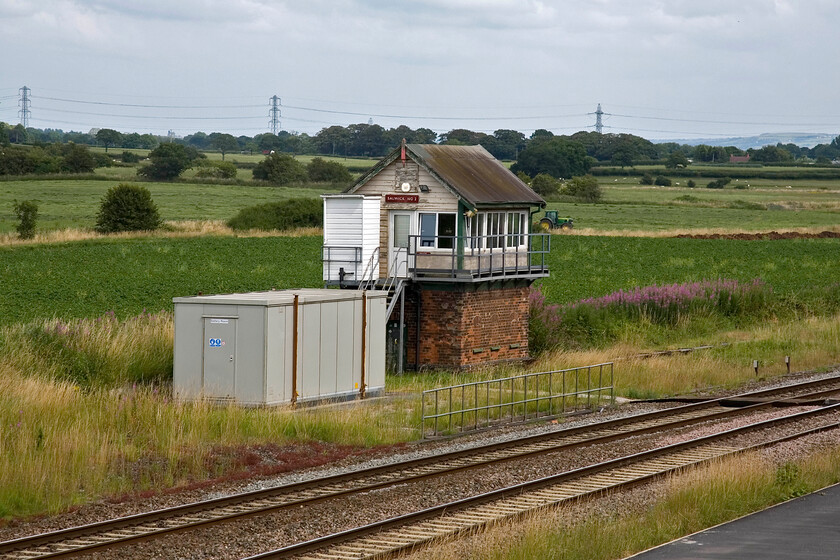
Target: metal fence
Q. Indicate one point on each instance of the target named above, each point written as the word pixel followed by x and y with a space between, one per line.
pixel 471 406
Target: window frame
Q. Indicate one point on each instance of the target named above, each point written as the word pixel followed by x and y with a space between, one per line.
pixel 435 239
pixel 498 229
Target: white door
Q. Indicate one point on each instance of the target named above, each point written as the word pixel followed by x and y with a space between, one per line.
pixel 401 225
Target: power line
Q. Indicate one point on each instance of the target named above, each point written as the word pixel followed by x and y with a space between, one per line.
pixel 148 106
pixel 167 117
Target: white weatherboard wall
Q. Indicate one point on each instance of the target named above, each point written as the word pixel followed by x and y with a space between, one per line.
pixel 351 222
pixel 239 347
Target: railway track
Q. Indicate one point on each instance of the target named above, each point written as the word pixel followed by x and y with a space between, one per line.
pixel 393 536
pixel 136 528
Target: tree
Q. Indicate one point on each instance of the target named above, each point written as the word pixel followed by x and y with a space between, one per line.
pixel 108 137
pixel 584 188
pixel 27 212
pixel 77 159
pixel 18 134
pixel 224 143
pixel 559 157
pixel 267 142
pixel 127 207
pixel 322 171
pixel 623 156
pixel 280 169
pixel 770 154
pixel 676 159
pixel 545 185
pixel 168 161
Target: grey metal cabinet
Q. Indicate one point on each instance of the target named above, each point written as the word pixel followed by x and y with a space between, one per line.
pixel 264 348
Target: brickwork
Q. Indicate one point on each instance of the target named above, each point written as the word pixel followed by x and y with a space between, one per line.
pixel 466 325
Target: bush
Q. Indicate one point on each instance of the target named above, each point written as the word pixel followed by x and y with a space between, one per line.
pixel 280 169
pixel 691 184
pixel 321 171
pixel 27 212
pixel 545 185
pixel 102 160
pixel 217 170
pixel 716 184
pixel 283 215
pixel 584 188
pixel 79 159
pixel 127 208
pixel 647 179
pixel 662 181
pixel 168 161
pixel 130 157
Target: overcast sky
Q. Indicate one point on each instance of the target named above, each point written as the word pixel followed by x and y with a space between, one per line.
pixel 660 69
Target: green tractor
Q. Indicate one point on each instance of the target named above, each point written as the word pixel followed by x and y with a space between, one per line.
pixel 551 221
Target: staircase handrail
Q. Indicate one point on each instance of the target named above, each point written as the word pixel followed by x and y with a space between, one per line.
pixel 367 275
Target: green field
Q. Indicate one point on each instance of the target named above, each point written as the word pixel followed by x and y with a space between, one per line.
pixel 75 202
pixel 90 278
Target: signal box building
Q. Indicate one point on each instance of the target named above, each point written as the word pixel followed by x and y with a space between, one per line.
pixel 446 231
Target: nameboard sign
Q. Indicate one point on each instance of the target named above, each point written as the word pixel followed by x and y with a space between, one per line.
pixel 405 198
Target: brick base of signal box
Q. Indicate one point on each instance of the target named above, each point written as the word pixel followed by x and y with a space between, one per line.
pixel 466 325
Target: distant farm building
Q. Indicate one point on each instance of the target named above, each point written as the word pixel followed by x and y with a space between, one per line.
pixel 739 159
pixel 446 231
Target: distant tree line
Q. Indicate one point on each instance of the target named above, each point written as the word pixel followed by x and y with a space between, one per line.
pixel 541 152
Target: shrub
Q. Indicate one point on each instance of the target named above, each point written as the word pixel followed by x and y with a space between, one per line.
pixel 691 184
pixel 217 170
pixel 662 181
pixel 321 171
pixel 103 160
pixel 79 159
pixel 647 179
pixel 584 188
pixel 127 208
pixel 545 185
pixel 283 215
pixel 280 169
pixel 27 212
pixel 130 157
pixel 716 184
pixel 168 161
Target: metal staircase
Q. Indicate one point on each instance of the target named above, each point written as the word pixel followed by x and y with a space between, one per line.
pixel 392 283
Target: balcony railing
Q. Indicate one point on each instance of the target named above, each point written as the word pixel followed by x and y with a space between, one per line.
pixel 469 258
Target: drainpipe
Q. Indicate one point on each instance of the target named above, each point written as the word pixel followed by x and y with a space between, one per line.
pixel 295 349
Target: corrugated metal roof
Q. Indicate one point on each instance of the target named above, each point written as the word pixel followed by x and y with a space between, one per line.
pixel 475 174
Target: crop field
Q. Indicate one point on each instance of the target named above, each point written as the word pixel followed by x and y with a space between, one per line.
pixel 87 279
pixel 584 267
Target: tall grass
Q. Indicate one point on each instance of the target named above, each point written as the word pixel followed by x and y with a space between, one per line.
pixel 86 411
pixel 105 351
pixel 701 498
pixel 594 321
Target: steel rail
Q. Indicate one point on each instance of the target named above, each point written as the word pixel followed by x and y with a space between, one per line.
pixel 121 531
pixel 404 532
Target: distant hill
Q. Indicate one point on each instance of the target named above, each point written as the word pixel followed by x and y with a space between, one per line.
pixel 808 140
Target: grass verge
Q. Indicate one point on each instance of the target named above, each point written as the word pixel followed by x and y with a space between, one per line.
pixel 704 497
pixel 68 437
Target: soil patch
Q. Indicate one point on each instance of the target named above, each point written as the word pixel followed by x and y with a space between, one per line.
pixel 771 235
